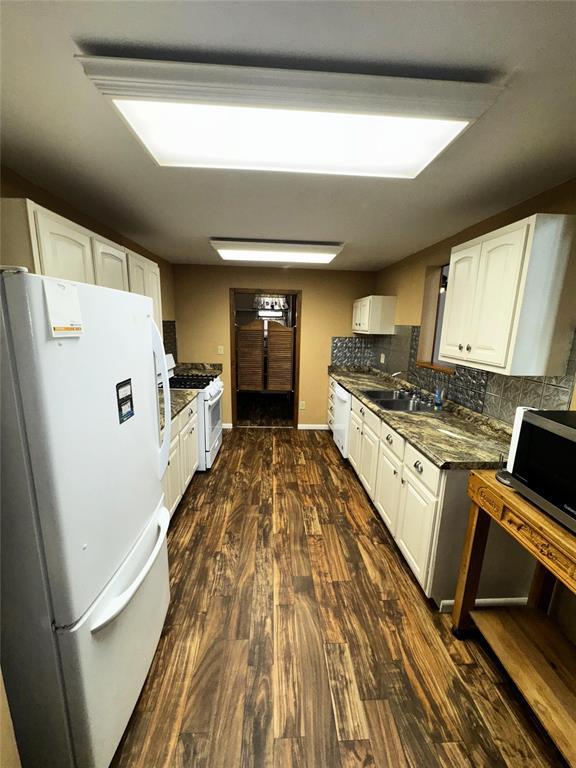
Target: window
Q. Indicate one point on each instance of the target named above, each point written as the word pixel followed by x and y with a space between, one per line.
pixel 436 282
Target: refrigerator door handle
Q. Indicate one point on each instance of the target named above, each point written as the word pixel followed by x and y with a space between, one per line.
pixel 159 354
pixel 119 603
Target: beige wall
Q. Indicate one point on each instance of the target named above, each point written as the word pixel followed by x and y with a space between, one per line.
pixel 13 185
pixel 405 279
pixel 203 319
pixel 8 750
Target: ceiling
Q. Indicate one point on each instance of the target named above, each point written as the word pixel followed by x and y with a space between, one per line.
pixel 58 131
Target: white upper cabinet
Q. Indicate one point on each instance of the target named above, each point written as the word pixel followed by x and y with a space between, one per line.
pixel 463 270
pixel 64 248
pixel 374 314
pixel 510 302
pixel 110 266
pixel 144 278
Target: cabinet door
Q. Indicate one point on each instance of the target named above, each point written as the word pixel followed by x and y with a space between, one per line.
pixel 387 493
pixel 152 289
pixel 496 297
pixel 415 525
pixel 173 477
pixel 364 318
pixel 137 273
pixel 459 298
pixel 356 315
pixel 355 441
pixel 188 451
pixel 65 250
pixel 110 266
pixel 368 460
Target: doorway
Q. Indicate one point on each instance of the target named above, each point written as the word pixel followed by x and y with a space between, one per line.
pixel 265 357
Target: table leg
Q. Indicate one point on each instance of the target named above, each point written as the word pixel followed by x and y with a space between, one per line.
pixel 541 589
pixel 470 567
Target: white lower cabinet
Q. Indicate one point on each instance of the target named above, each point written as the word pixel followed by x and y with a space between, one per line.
pixel 189 450
pixel 355 441
pixel 387 495
pixel 416 510
pixel 173 476
pixel 183 456
pixel 368 459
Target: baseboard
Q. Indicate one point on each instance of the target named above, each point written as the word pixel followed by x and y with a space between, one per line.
pixel 226 426
pixel 486 602
pixel 313 426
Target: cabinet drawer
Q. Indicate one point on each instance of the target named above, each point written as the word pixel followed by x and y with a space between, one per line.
pixel 393 441
pixel 422 468
pixel 180 421
pixel 357 407
pixel 372 421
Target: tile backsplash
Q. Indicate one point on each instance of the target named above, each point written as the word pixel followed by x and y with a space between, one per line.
pixel 489 393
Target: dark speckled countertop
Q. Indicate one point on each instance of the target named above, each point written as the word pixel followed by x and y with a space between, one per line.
pixel 454 438
pixel 179 399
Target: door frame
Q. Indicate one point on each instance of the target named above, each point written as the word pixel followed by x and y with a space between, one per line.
pixel 286 292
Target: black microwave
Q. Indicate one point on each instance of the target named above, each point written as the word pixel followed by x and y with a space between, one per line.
pixel 544 462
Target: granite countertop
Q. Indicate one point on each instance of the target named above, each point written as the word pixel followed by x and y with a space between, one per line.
pixel 454 438
pixel 190 369
pixel 179 399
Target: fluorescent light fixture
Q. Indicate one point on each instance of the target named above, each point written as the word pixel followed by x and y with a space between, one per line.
pixel 211 116
pixel 258 251
pixel 298 141
pixel 270 313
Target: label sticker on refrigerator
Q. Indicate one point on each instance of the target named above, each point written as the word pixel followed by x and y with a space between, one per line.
pixel 63 306
pixel 124 400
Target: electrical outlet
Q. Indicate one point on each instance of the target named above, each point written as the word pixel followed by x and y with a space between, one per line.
pixel 302 405
pixel 382 358
pixel 220 350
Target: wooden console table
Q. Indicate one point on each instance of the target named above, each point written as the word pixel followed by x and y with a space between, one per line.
pixel 536 655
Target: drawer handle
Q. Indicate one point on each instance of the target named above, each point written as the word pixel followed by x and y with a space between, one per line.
pixel 331 397
pixel 403 481
pixel 468 348
pixel 362 411
pixel 460 347
pixel 331 409
pixel 395 472
pixel 418 467
pixel 389 439
pixel 192 430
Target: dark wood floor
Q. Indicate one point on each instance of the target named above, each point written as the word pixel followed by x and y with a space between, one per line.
pixel 297 638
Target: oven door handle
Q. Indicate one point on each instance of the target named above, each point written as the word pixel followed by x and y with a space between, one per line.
pixel 215 400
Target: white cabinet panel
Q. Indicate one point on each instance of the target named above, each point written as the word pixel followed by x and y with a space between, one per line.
pixel 459 298
pixel 173 477
pixel 65 249
pixel 111 266
pixel 368 459
pixel 387 494
pixel 137 273
pixel 495 298
pixel 144 278
pixel 355 440
pixel 188 451
pixel 415 524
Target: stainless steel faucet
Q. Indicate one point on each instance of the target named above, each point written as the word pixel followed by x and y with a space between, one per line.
pixel 398 373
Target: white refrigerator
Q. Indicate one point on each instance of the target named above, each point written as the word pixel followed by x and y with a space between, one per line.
pixel 84 562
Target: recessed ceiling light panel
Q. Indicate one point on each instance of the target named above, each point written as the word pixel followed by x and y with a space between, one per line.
pixel 210 116
pixel 276 253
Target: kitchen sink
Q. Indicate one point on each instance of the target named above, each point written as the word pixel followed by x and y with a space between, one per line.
pixel 386 394
pixel 411 405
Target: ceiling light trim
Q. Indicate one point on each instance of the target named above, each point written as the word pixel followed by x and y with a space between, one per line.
pixel 143 79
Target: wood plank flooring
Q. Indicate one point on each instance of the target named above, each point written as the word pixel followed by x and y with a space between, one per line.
pixel 297 638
